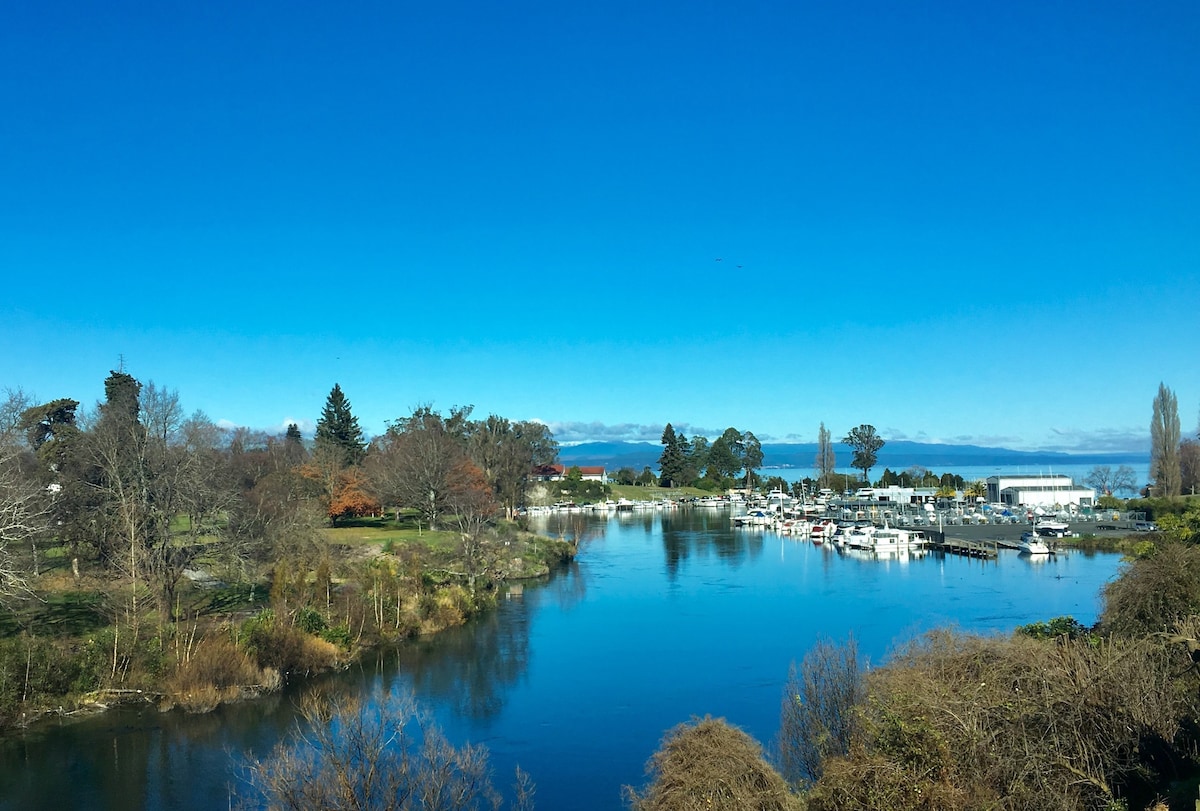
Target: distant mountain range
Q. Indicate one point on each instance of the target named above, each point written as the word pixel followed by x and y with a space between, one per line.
pixel 896 454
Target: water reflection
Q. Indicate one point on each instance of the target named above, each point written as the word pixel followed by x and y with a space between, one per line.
pixel 701 532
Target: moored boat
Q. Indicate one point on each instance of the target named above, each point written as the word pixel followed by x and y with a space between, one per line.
pixel 1032 544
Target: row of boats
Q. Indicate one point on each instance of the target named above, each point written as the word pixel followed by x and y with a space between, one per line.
pixel 851 534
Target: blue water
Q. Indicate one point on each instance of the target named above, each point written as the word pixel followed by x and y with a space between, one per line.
pixel 664 616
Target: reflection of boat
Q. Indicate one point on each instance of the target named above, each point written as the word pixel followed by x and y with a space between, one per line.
pixel 1032 544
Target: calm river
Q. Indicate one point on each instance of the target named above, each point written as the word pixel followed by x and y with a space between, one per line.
pixel 663 616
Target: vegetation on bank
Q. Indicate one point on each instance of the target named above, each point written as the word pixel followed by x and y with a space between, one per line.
pixel 149 555
pixel 71 646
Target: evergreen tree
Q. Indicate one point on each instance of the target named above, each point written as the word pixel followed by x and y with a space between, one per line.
pixel 672 462
pixel 293 445
pixel 338 430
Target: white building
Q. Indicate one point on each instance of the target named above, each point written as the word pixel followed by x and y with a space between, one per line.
pixel 1039 490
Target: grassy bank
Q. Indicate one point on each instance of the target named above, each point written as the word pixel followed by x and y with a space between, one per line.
pixel 85 639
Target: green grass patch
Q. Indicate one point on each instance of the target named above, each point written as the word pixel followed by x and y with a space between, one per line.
pixel 230 599
pixel 69 613
pixel 635 493
pixel 381 531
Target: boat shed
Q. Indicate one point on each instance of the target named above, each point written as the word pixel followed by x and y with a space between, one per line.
pixel 1040 490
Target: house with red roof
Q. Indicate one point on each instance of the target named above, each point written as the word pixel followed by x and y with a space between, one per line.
pixel 557 473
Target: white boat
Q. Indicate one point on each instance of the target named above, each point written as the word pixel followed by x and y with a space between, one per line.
pixel 1032 544
pixel 1052 529
pixel 891 539
pixel 754 518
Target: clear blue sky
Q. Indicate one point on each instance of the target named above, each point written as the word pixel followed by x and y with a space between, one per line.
pixel 955 221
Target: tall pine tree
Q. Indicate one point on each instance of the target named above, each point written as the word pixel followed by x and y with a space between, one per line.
pixel 672 462
pixel 338 431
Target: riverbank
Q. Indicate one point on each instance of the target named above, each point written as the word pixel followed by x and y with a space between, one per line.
pixel 83 642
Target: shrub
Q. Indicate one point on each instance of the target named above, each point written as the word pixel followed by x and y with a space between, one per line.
pixel 285 648
pixel 1155 592
pixel 818 714
pixel 963 722
pixel 310 621
pixel 710 764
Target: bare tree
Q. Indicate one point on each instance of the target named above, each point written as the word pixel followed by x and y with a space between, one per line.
pixel 507 453
pixel 23 516
pixel 1164 443
pixel 818 711
pixel 160 412
pixel 413 464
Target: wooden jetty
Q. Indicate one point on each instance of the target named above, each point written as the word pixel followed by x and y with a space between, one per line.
pixel 984 550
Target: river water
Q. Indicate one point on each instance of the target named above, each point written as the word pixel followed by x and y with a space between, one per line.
pixel 664 616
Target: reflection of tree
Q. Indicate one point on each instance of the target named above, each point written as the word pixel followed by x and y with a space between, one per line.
pixel 567 587
pixel 469 668
pixel 688 532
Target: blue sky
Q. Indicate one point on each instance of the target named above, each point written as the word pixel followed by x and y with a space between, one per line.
pixel 957 222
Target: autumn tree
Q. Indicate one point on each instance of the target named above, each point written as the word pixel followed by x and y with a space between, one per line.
pixel 1164 443
pixel 338 429
pixel 866 444
pixel 351 496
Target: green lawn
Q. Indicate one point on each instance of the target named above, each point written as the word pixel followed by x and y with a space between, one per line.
pixel 635 493
pixel 359 531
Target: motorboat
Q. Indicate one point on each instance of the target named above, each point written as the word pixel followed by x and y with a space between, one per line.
pixel 1032 544
pixel 1050 528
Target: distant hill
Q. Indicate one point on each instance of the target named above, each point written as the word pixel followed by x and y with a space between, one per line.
pixel 896 454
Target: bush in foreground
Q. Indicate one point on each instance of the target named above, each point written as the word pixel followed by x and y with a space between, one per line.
pixel 710 764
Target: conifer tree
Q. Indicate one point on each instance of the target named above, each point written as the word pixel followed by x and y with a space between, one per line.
pixel 338 429
pixel 672 461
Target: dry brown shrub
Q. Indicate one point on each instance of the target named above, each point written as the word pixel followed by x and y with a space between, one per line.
pixel 217 671
pixel 290 650
pixel 1154 593
pixel 709 764
pixel 1020 723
